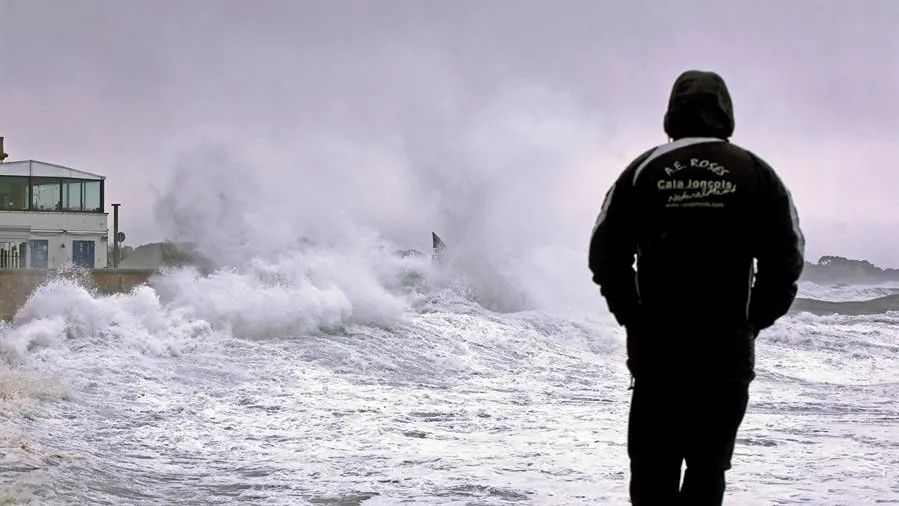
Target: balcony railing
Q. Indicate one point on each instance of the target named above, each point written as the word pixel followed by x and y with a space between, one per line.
pixel 11 260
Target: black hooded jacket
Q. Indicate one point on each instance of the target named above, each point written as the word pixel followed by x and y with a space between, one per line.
pixel 698 213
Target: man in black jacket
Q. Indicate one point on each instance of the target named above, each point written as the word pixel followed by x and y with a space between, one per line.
pixel 699 213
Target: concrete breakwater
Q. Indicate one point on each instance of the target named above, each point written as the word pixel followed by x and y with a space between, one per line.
pixel 16 285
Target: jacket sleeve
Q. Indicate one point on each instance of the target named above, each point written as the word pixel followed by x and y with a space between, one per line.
pixel 779 251
pixel 613 247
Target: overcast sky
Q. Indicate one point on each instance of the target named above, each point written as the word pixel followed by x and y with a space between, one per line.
pixel 409 116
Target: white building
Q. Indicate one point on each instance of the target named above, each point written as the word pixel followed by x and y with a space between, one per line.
pixel 51 216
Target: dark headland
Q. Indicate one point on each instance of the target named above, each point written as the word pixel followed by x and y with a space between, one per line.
pixel 836 270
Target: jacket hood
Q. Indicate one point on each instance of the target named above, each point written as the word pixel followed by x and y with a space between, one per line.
pixel 699 106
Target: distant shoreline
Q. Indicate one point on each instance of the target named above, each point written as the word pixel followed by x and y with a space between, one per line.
pixel 836 270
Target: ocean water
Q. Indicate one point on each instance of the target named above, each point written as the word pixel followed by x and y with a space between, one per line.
pixel 321 379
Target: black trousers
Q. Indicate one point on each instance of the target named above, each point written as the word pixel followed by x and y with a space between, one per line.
pixel 673 422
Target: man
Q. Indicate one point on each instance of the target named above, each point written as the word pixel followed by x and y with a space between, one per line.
pixel 698 212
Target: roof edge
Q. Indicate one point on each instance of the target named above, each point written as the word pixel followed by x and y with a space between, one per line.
pixel 31 160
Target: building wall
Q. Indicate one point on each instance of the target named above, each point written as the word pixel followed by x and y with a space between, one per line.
pixel 59 230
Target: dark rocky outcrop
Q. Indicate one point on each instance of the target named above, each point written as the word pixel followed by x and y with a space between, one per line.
pixel 836 270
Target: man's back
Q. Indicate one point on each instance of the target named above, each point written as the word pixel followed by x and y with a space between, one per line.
pixel 698 212
pixel 695 214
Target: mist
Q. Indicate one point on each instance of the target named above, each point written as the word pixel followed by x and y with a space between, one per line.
pixel 247 125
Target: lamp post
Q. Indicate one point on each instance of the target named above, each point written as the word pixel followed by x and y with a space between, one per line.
pixel 115 235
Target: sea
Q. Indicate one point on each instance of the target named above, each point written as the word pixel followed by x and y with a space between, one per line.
pixel 332 376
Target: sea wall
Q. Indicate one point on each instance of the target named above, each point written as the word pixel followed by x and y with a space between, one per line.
pixel 16 285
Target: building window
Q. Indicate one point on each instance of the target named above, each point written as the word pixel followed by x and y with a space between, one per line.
pixel 46 194
pixel 39 252
pixel 50 194
pixel 13 193
pixel 83 254
pixel 93 196
pixel 73 195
